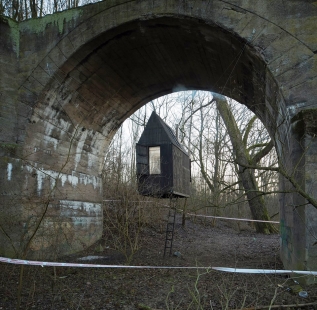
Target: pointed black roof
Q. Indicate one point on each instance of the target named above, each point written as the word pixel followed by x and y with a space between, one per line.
pixel 158 132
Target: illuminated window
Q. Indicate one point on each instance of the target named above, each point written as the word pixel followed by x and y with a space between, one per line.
pixel 155 160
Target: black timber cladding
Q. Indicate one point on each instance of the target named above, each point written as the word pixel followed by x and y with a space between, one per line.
pixel 174 177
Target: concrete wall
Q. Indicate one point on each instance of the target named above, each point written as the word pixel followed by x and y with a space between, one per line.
pixel 79 74
pixel 9 143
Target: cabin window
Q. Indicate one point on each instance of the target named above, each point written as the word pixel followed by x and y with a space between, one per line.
pixel 155 159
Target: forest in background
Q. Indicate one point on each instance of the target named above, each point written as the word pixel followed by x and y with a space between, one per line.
pixel 24 9
pixel 218 186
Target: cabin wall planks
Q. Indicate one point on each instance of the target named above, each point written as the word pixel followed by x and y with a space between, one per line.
pixel 174 177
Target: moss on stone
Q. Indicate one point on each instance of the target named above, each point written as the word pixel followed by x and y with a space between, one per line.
pixel 38 25
pixel 15 34
pixel 9 146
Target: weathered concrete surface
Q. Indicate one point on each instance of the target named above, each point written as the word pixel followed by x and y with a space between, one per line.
pixel 299 220
pixel 72 78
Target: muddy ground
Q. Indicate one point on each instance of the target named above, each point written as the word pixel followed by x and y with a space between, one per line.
pixel 200 244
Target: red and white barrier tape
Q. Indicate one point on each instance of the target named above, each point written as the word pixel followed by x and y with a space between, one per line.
pixel 235 270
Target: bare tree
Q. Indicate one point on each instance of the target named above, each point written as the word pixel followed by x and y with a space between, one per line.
pixel 243 159
pixel 216 180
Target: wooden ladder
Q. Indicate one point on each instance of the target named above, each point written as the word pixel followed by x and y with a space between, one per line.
pixel 170 226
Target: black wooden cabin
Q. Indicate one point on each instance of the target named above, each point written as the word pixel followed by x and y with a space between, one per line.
pixel 163 165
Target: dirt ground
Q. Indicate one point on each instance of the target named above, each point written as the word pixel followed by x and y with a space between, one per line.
pixel 199 245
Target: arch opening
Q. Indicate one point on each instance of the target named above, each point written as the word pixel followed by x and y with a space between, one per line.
pixel 217 186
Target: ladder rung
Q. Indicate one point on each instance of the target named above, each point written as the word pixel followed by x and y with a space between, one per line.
pixel 170 226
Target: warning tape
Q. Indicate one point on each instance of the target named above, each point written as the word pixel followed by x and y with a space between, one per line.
pixel 234 270
pixel 206 216
pixel 56 264
pixel 232 218
pixel 225 269
pixel 264 271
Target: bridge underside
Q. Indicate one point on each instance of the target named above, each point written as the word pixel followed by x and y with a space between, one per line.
pixel 72 78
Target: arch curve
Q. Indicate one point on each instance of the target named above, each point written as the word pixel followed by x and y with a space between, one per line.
pixel 126 67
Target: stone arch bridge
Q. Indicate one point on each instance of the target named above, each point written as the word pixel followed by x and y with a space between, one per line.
pixel 70 79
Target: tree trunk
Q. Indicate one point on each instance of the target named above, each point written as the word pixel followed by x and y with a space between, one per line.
pixel 33 8
pixel 256 201
pixel 15 9
pixel 254 196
